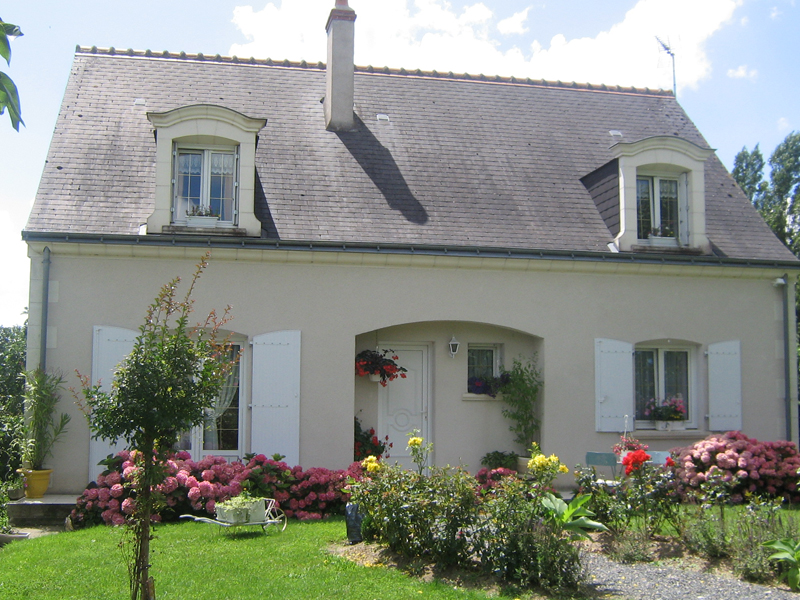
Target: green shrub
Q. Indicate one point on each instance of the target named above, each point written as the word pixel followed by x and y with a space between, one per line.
pixel 420 515
pixel 518 541
pixel 499 459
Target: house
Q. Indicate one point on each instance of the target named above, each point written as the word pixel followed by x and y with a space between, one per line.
pixel 590 226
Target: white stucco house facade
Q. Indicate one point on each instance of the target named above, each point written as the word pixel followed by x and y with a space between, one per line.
pixel 353 208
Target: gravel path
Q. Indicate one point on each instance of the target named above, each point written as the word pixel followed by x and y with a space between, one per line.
pixel 650 582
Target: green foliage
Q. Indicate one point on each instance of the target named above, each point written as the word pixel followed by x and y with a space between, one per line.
pixel 420 515
pixel 164 387
pixel 521 388
pixel 12 367
pixel 776 201
pixel 498 459
pixel 757 523
pixel 573 517
pixel 42 431
pixel 788 552
pixel 9 97
pixel 520 539
pixel 420 451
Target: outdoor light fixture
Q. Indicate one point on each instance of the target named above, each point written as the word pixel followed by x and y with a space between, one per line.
pixel 453 344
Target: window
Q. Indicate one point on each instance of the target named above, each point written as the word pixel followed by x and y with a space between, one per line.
pixel 205 183
pixel 660 374
pixel 220 434
pixel 657 207
pixel 483 365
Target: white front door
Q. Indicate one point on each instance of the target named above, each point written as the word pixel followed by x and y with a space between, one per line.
pixel 403 403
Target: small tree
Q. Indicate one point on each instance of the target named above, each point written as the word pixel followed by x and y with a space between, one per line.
pixel 163 388
pixel 521 387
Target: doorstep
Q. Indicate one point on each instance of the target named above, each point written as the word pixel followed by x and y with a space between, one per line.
pixel 49 511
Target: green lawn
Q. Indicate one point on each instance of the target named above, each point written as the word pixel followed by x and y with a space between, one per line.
pixel 195 561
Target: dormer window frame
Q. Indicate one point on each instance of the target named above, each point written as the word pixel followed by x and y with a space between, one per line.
pixel 206 200
pixel 662 188
pixel 204 127
pixel 662 157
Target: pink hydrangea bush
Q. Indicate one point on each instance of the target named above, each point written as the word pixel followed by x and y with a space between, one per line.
pixel 191 487
pixel 751 466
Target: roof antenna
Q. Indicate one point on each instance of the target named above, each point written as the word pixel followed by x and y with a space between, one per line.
pixel 669 51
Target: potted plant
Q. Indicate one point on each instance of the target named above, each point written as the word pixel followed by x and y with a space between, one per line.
pixel 201 216
pixel 241 509
pixel 15 488
pixel 627 443
pixel 42 431
pixel 379 366
pixel 669 414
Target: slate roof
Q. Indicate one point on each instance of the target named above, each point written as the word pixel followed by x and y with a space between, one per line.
pixel 461 161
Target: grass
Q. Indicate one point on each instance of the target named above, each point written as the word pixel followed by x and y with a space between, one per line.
pixel 194 560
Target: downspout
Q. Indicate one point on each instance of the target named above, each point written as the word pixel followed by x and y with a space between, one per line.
pixel 787 387
pixel 45 302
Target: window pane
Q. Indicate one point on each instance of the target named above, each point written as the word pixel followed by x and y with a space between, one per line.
pixel 668 194
pixel 644 220
pixel 188 182
pixel 676 375
pixel 480 369
pixel 222 185
pixel 221 431
pixel 645 373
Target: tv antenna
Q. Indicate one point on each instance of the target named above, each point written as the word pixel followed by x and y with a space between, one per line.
pixel 669 51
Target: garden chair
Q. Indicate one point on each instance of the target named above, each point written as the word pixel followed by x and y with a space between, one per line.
pixel 603 459
pixel 658 457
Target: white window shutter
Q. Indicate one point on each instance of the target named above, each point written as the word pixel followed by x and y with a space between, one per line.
pixel 275 416
pixel 110 345
pixel 724 386
pixel 613 384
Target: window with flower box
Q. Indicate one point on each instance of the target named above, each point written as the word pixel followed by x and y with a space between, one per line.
pixel 661 375
pixel 483 367
pixel 206 183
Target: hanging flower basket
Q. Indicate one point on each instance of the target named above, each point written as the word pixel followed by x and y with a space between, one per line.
pixel 379 366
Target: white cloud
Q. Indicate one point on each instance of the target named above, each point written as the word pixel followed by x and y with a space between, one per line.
pixel 515 23
pixel 431 34
pixel 775 13
pixel 742 72
pixel 783 124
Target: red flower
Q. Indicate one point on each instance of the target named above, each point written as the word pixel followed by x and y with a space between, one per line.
pixel 669 462
pixel 633 461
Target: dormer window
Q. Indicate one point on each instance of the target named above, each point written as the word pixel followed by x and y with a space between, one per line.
pixel 205 184
pixel 661 195
pixel 205 171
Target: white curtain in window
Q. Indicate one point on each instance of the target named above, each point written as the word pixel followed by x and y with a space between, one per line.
pixel 224 400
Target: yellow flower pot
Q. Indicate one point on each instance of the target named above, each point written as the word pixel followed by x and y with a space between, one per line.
pixel 36 482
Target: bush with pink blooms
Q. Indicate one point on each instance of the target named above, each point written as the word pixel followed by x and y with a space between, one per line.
pixel 490 478
pixel 190 487
pixel 765 468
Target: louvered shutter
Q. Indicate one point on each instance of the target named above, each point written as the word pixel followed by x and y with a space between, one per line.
pixel 110 345
pixel 275 416
pixel 724 386
pixel 613 382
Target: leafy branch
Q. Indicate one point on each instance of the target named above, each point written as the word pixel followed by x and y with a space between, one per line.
pixel 9 97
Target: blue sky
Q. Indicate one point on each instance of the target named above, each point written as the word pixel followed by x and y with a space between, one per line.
pixel 737 62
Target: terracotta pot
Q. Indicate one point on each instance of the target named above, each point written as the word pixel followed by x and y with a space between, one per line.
pixel 36 482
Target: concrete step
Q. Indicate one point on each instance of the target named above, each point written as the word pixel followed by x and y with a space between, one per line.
pixel 48 511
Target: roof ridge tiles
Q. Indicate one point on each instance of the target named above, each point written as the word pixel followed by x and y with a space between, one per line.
pixel 402 72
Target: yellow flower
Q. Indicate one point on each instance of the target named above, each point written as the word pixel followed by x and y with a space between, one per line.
pixel 371 464
pixel 563 469
pixel 414 442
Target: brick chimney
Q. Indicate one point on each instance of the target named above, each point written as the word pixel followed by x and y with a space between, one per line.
pixel 338 103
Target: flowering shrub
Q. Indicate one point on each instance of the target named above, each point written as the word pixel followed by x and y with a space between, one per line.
pixel 371 362
pixel 544 469
pixel 489 478
pixel 634 460
pixel 749 465
pixel 366 443
pixel 671 409
pixel 190 487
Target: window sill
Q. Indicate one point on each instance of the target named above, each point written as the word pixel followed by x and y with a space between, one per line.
pixel 685 434
pixel 642 246
pixel 481 398
pixel 223 231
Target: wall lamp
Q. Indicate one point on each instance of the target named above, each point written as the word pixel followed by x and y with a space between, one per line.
pixel 453 344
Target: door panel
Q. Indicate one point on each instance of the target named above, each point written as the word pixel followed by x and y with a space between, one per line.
pixel 403 403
